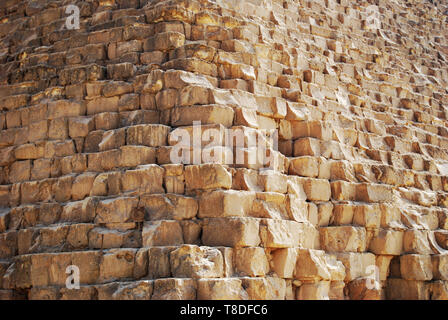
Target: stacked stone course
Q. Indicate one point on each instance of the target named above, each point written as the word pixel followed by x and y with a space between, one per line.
pixel 88 122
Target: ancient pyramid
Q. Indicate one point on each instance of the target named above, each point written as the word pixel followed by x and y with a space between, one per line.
pixel 223 149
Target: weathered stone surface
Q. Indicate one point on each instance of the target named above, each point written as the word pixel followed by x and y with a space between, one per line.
pixel 118 210
pixel 314 291
pixel 268 288
pixel 162 233
pixel 196 262
pixel 364 289
pixel 416 267
pixel 400 289
pixel 231 232
pixel 221 289
pixel 224 150
pixel 168 207
pixel 315 265
pixel 226 204
pixel 250 262
pixel 387 242
pixel 344 238
pixel 280 233
pixel 174 289
pixel 207 176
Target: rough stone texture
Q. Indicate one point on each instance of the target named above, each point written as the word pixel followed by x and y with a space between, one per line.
pixel 354 204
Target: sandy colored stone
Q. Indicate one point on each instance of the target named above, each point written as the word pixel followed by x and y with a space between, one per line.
pixel 314 291
pixel 268 288
pixel 221 289
pixel 207 176
pixel 162 233
pixel 168 207
pixel 387 242
pixel 225 204
pixel 250 262
pixel 416 267
pixel 344 238
pixel 196 262
pixel 231 232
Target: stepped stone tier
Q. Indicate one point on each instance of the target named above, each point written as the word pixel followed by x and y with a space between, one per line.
pixel 351 204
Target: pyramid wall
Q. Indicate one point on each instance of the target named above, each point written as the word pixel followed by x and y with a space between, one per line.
pixel 348 200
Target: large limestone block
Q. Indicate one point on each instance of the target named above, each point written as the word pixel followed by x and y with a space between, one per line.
pixel 373 192
pixel 343 239
pixel 335 267
pixel 150 135
pixel 65 108
pixel 117 264
pixel 304 166
pixel 231 232
pixel 159 262
pixel 280 233
pixel 416 267
pixel 314 291
pixel 226 204
pixel 144 179
pixel 368 216
pixel 268 288
pixel 82 186
pixel 283 262
pixel 250 262
pixel 416 241
pixel 196 262
pixel 298 210
pixel 50 293
pixel 343 190
pixel 132 156
pixel 83 293
pixel 174 178
pixel 316 265
pixel 440 266
pixel 364 289
pixel 118 210
pixel 343 214
pixel 168 207
pixel 311 266
pixel 310 237
pixel 270 205
pixel 103 238
pixel 274 181
pixel 387 242
pixel 337 290
pixel 139 290
pixel 317 189
pixel 399 289
pixel 174 289
pixel 207 176
pixel 221 289
pixel 178 79
pixel 438 290
pixel 390 216
pixel 383 265
pixel 206 114
pixel 79 211
pixel 357 264
pixel 304 146
pixel 164 41
pixel 162 233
